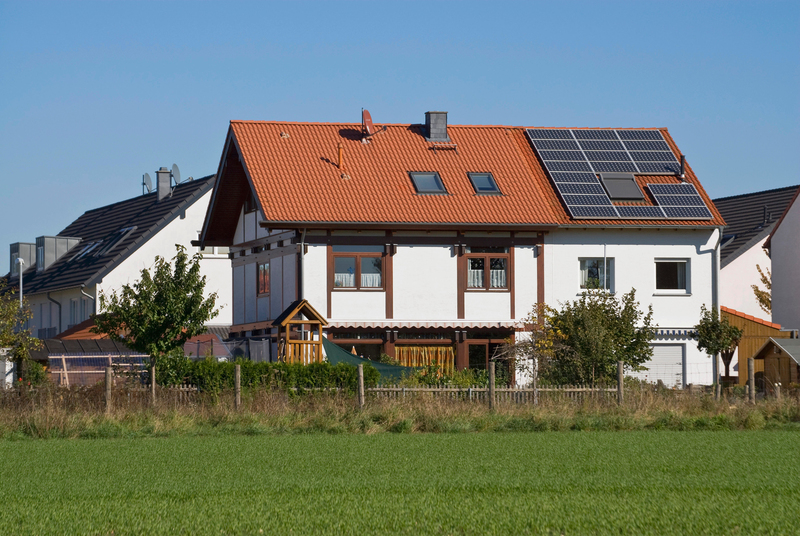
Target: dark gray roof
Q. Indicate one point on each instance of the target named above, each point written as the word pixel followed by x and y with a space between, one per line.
pixel 748 221
pixel 112 232
pixel 80 347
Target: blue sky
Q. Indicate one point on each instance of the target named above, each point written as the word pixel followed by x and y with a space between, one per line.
pixel 93 95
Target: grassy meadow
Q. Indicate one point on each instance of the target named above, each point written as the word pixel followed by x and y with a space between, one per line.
pixel 511 483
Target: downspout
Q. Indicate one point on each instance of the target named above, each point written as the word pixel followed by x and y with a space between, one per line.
pixel 59 310
pixel 715 293
pixel 94 309
pixel 301 254
pixel 605 268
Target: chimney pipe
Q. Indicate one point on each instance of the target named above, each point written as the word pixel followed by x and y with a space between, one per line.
pixel 163 183
pixel 683 166
pixel 436 126
pixel 341 156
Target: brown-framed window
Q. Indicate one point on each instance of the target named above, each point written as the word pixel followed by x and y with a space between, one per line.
pixel 487 268
pixel 357 267
pixel 263 279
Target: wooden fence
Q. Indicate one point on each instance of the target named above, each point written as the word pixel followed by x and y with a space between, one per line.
pixel 509 395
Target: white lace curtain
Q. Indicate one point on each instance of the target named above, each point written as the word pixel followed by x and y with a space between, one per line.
pixel 349 280
pixel 497 279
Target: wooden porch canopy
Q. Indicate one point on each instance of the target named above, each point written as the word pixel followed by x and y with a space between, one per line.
pixel 300 350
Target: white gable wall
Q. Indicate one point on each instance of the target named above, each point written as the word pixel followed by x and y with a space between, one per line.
pixel 736 280
pixel 785 255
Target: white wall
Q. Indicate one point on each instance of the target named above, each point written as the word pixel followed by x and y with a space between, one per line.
pixel 425 284
pixel 634 253
pixel 525 281
pixel 736 280
pixel 785 254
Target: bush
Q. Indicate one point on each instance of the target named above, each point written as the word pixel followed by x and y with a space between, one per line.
pixel 34 372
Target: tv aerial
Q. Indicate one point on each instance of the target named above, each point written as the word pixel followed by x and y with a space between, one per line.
pixel 367 127
pixel 176 174
pixel 147 184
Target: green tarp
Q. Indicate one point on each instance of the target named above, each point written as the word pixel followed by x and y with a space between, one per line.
pixel 336 354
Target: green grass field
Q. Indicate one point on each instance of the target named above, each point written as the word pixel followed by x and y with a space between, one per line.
pixel 491 483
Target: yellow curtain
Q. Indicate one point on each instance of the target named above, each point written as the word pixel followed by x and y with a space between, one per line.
pixel 423 356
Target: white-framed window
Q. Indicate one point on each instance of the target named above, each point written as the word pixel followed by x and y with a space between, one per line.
pixel 597 273
pixel 73 311
pixel 672 276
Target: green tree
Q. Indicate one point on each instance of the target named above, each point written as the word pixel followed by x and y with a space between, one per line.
pixel 716 335
pixel 160 311
pixel 764 297
pixel 12 322
pixel 594 332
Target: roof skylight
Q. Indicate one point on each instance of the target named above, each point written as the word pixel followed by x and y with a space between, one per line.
pixel 483 183
pixel 427 182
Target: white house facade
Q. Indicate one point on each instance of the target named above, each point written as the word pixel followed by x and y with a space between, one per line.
pixel 784 252
pixel 434 243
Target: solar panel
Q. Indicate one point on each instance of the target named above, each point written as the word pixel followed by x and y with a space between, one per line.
pixel 595 134
pixel 587 200
pixel 672 189
pixel 575 177
pixel 653 156
pixel 568 145
pixel 647 145
pixel 572 188
pixel 681 201
pixel 635 212
pixel 692 213
pixel 605 145
pixel 659 168
pixel 608 156
pixel 563 155
pixel 640 135
pixel 593 212
pixel 614 167
pixel 567 166
pixel 548 134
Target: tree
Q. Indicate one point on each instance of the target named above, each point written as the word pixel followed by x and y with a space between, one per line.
pixel 159 312
pixel 12 319
pixel 717 336
pixel 582 342
pixel 764 297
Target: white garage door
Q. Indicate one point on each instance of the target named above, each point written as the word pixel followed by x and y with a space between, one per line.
pixel 666 365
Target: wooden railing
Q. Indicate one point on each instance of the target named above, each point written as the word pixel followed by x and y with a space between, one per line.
pixel 304 352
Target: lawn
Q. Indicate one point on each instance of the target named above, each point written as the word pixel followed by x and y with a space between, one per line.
pixel 499 483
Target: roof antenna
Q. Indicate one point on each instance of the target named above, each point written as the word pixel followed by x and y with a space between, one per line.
pixel 683 167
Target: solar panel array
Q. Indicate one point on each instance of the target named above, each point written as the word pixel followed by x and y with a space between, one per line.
pixel 573 158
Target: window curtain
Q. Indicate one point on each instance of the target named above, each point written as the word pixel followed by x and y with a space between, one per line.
pixel 344 280
pixel 423 356
pixel 475 278
pixel 370 280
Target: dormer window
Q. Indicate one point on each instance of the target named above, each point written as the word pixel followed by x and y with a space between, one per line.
pixel 427 182
pixel 484 183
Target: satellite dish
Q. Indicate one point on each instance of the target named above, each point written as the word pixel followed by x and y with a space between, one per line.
pixel 176 173
pixel 147 183
pixel 366 122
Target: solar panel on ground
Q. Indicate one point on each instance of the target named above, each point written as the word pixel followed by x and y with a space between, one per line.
pixel 560 145
pixel 637 212
pixel 548 134
pixel 640 135
pixel 594 200
pixel 608 156
pixel 653 156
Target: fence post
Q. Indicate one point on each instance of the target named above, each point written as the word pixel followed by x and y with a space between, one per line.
pixel 778 392
pixel 620 388
pixel 237 383
pixel 360 385
pixel 108 389
pixel 491 385
pixel 751 378
pixel 153 385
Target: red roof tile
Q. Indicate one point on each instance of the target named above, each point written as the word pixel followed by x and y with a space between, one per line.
pixel 294 170
pixel 749 317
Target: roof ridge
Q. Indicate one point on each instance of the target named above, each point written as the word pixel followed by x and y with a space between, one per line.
pixel 750 317
pixel 449 125
pixel 756 193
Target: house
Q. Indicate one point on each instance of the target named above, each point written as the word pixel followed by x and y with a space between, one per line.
pixel 434 241
pixel 782 245
pixel 749 220
pixel 107 247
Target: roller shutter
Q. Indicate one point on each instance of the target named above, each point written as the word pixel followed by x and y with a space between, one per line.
pixel 666 365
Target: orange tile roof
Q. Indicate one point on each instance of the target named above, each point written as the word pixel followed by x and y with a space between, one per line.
pixel 294 170
pixel 749 317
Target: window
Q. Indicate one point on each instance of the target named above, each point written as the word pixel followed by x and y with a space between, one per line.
pixel 672 276
pixel 14 264
pixel 487 268
pixel 39 257
pixel 73 312
pixel 263 279
pixel 595 273
pixel 358 267
pixel 622 187
pixel 427 182
pixel 483 183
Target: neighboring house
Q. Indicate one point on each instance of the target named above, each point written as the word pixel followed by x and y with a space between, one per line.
pixel 749 220
pixel 108 247
pixel 783 245
pixel 434 241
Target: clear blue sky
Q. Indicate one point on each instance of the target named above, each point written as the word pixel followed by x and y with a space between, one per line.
pixel 92 95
